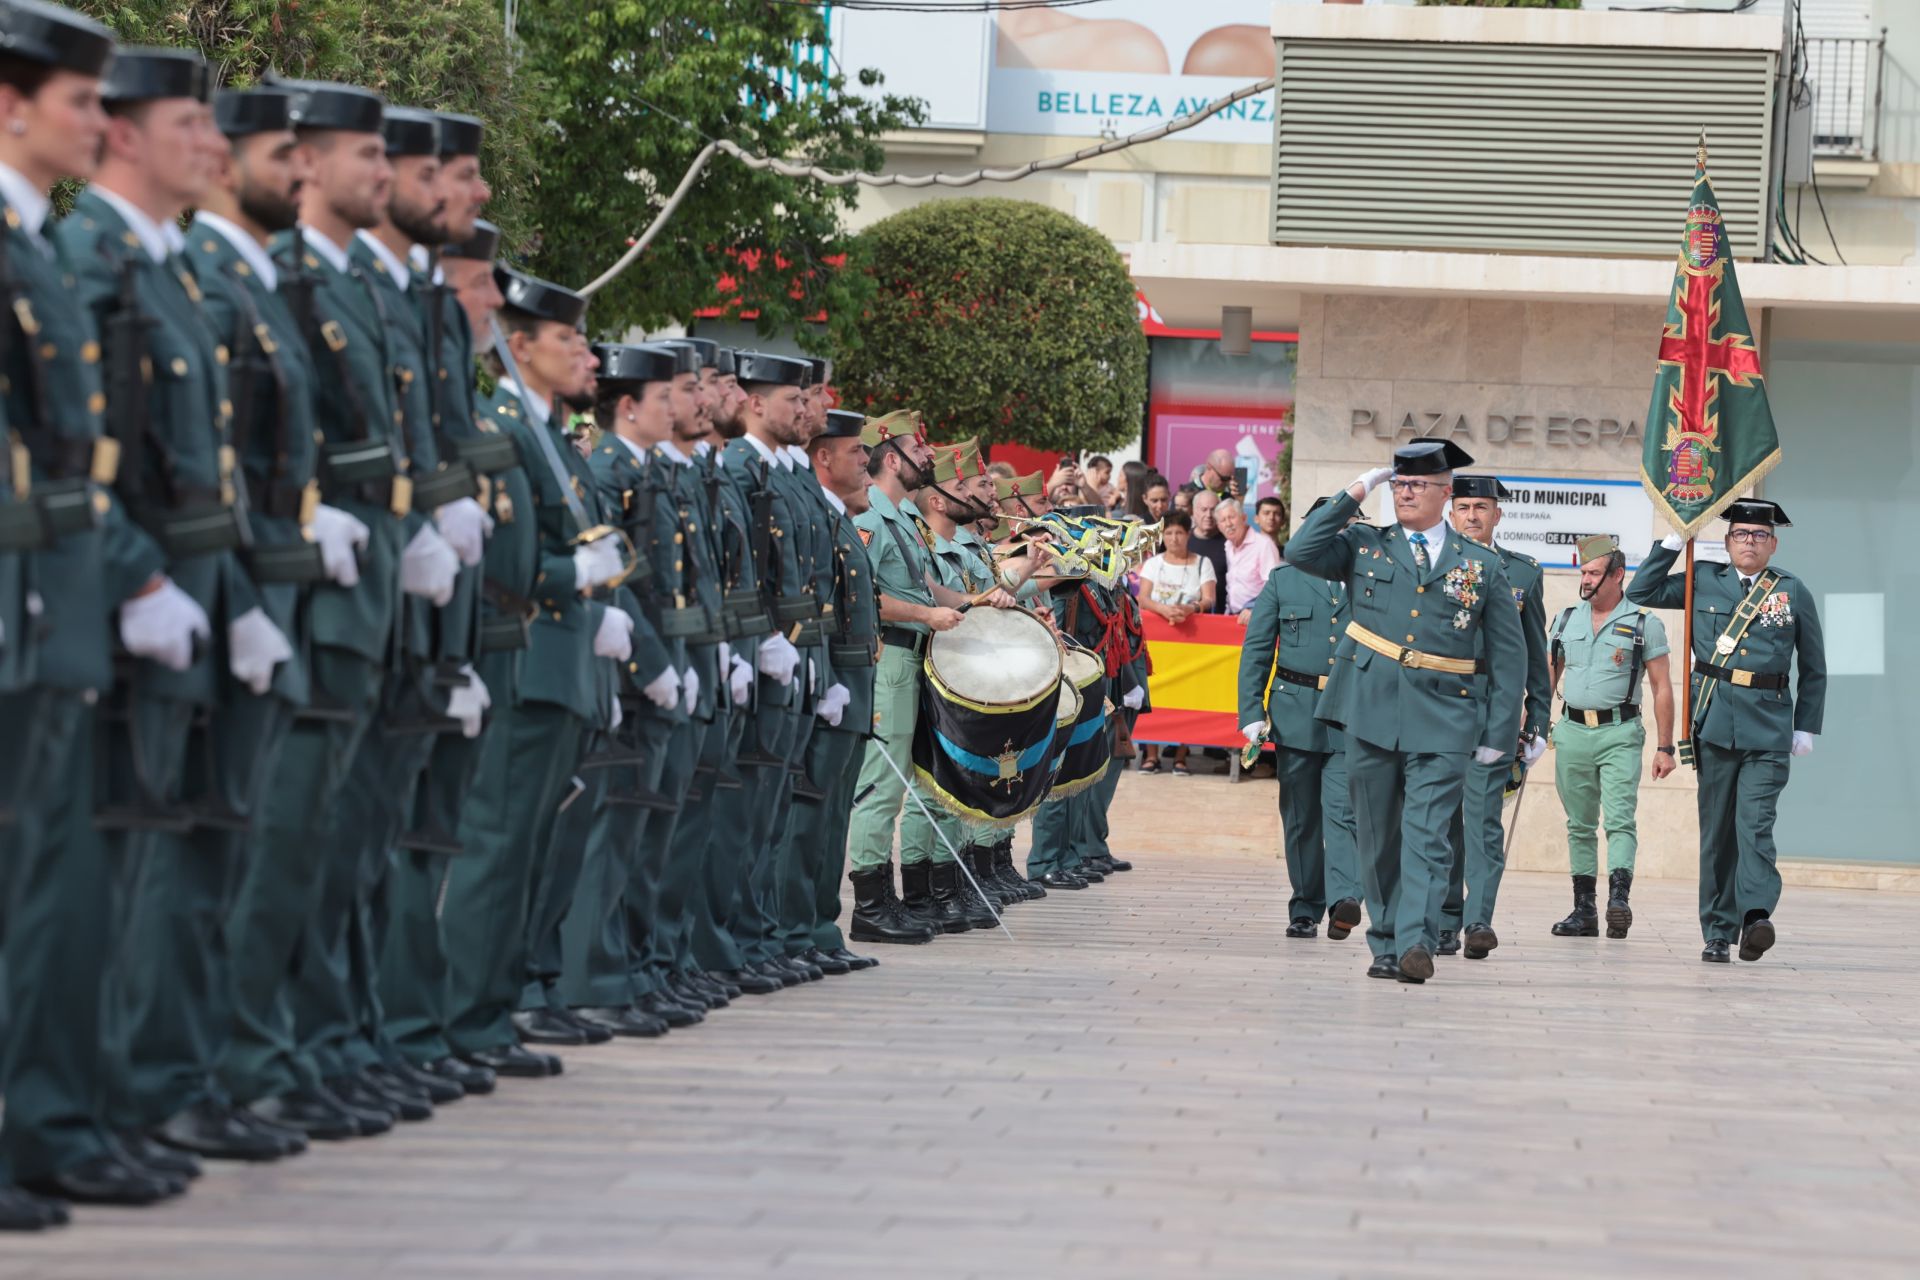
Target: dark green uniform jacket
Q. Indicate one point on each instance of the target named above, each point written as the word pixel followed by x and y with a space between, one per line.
pixel 1298 623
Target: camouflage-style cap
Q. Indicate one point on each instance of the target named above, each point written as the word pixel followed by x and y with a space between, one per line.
pixel 1002 488
pixel 901 423
pixel 948 464
pixel 1593 546
pixel 1031 485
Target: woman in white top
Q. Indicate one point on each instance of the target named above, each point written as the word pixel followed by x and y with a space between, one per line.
pixel 1176 584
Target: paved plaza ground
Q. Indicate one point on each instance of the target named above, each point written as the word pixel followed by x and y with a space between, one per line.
pixel 1150 1081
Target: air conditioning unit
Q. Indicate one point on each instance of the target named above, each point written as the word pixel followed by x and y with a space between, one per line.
pixel 1530 131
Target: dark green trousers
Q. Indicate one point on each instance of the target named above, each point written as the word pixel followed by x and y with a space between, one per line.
pixel 174 992
pixel 1316 824
pixel 525 763
pixel 1057 826
pixel 54 935
pixel 665 892
pixel 556 883
pixel 745 821
pixel 770 876
pixel 1403 802
pixel 695 844
pixel 297 834
pixel 1478 837
pixel 1091 838
pixel 817 844
pixel 1738 798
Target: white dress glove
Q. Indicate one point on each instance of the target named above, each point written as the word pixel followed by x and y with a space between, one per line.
pixel 162 625
pixel 833 703
pixel 1371 480
pixel 778 658
pixel 1674 542
pixel 1535 748
pixel 740 680
pixel 428 567
pixel 1254 732
pixel 726 657
pixel 1133 697
pixel 813 675
pixel 597 563
pixel 1802 743
pixel 254 648
pixel 1487 755
pixel 664 690
pixel 615 716
pixel 614 639
pixel 338 535
pixel 465 525
pixel 690 688
pixel 468 703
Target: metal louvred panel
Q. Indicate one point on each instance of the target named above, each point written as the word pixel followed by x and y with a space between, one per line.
pixel 1527 148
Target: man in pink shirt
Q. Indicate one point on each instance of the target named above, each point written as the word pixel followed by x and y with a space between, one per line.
pixel 1250 558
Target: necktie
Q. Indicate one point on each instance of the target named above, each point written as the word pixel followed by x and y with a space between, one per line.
pixel 1746 584
pixel 1419 541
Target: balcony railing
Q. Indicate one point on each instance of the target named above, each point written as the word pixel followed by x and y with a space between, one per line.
pixel 1848 77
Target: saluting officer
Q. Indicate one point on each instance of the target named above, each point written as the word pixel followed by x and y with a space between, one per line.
pixel 1479 838
pixel 1433 632
pixel 1752 624
pixel 1292 642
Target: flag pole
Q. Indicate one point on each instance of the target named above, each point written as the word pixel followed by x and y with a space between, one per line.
pixel 1686 672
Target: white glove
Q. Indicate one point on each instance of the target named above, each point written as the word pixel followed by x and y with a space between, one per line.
pixel 833 703
pixel 690 686
pixel 596 563
pixel 162 624
pixel 726 657
pixel 428 567
pixel 813 675
pixel 664 690
pixel 465 525
pixel 1674 542
pixel 615 716
pixel 1133 697
pixel 1802 743
pixel 1487 755
pixel 778 658
pixel 1535 748
pixel 740 680
pixel 338 534
pixel 1371 480
pixel 1254 732
pixel 614 639
pixel 468 702
pixel 254 648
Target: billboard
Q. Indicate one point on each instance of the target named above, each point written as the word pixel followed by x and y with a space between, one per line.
pixel 1200 399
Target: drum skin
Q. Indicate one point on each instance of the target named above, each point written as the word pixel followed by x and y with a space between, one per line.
pixel 995 658
pixel 985 742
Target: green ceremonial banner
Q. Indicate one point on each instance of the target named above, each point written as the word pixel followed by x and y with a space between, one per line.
pixel 1709 434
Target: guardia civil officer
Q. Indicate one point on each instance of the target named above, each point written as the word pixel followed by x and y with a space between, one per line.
pixel 1479 837
pixel 1433 633
pixel 1291 645
pixel 1753 624
pixel 1599 649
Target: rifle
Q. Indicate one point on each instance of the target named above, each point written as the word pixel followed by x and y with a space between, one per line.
pixel 127 375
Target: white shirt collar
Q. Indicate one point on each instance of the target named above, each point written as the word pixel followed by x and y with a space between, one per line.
pixel 639 454
pixel 25 199
pixel 418 258
pixel 1436 537
pixel 703 447
pixel 332 254
pixel 672 450
pixel 152 236
pixel 773 456
pixel 402 274
pixel 539 410
pixel 796 455
pixel 839 504
pixel 258 260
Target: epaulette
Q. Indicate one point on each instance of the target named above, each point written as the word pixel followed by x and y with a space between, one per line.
pixel 1524 558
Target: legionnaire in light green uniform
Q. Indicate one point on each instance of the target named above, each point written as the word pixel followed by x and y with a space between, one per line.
pixel 54 884
pixel 1598 649
pixel 168 780
pixel 1751 624
pixel 1433 634
pixel 1292 638
pixel 1478 836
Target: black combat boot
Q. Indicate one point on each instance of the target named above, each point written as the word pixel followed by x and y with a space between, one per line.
pixel 1584 920
pixel 956 894
pixel 923 902
pixel 877 913
pixel 1004 869
pixel 1619 914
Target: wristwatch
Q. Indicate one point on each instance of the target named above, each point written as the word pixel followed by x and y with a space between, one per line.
pixel 1665 751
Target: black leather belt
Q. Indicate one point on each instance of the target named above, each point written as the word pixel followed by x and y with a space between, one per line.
pixel 1744 679
pixel 1300 678
pixel 849 653
pixel 1595 719
pixel 902 638
pixel 512 613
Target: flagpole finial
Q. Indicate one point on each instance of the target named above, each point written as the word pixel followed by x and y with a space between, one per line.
pixel 1700 156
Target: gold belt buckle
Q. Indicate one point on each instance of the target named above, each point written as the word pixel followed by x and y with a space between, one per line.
pixel 1744 679
pixel 1409 657
pixel 1321 683
pixel 1590 718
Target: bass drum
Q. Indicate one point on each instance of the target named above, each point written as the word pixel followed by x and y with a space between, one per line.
pixel 983 744
pixel 1084 749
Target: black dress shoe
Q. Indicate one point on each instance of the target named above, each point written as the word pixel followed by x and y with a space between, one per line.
pixel 1302 927
pixel 547 1026
pixel 163 1160
pixel 1384 967
pixel 716 996
pixel 439 1089
pixel 292 1141
pixel 851 960
pixel 1449 943
pixel 25 1211
pixel 316 1113
pixel 620 1020
pixel 1110 864
pixel 217 1132
pixel 1480 939
pixel 1090 873
pixel 1062 880
pixel 594 1035
pixel 1716 952
pixel 779 973
pixel 752 982
pixel 515 1060
pixel 370 1091
pixel 1416 964
pixel 469 1077
pixel 723 982
pixel 105 1179
pixel 1343 917
pixel 825 963
pixel 807 972
pixel 662 1006
pixel 1756 939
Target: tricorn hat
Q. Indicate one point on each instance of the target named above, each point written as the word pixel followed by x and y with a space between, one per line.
pixel 141 73
pixel 542 299
pixel 241 113
pixel 779 371
pixel 482 246
pixel 1480 487
pixel 624 365
pixel 1757 511
pixel 842 424
pixel 55 37
pixel 459 135
pixel 319 104
pixel 409 131
pixel 1425 456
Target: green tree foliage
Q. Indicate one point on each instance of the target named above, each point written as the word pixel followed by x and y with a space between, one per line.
pixel 1002 319
pixel 623 75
